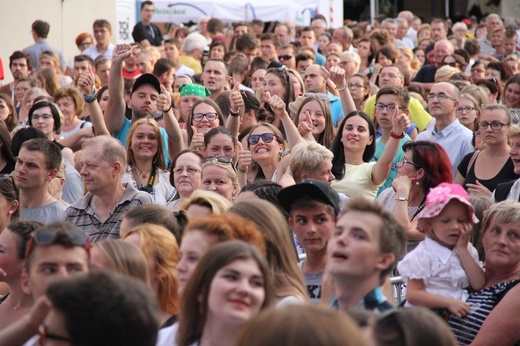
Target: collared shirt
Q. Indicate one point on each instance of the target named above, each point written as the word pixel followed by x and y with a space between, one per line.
pixel 94 52
pixel 374 301
pixel 83 215
pixel 455 139
pixel 486 48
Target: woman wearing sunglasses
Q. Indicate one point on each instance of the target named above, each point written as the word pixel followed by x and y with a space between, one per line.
pixel 219 175
pixel 204 116
pixel 146 169
pixel 13 241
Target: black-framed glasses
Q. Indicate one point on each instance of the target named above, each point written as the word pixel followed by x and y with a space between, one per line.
pixel 405 161
pixel 44 334
pixel 320 96
pixel 440 96
pixel 47 237
pixel 495 125
pixel 220 159
pixel 199 116
pixel 391 107
pixel 467 109
pixel 266 137
pixel 285 57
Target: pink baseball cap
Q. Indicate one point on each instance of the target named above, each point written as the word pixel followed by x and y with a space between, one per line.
pixel 439 197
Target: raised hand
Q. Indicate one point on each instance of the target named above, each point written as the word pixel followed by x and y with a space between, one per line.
pixel 235 99
pixel 123 51
pixel 197 141
pixel 164 101
pixel 400 122
pixel 244 158
pixel 337 75
pixel 277 105
pixel 305 126
pixel 86 81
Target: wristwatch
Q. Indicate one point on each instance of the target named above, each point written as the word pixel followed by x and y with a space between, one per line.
pixel 233 113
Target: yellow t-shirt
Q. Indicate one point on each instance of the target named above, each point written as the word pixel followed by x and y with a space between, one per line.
pixel 357 181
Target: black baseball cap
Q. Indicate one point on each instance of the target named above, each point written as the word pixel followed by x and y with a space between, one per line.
pixel 312 189
pixel 147 78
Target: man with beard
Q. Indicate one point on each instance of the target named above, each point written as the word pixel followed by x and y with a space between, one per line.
pixel 20 65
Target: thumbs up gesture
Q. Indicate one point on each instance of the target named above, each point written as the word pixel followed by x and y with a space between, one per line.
pixel 86 81
pixel 235 99
pixel 164 101
pixel 197 141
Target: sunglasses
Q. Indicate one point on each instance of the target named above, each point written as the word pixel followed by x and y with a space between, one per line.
pixel 266 138
pixel 452 64
pixel 47 237
pixel 284 57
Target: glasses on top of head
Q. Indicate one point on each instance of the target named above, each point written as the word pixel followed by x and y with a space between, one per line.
pixel 440 96
pixel 266 137
pixel 220 159
pixel 404 161
pixel 320 96
pixel 48 237
pixel 44 335
pixel 197 117
pixel 281 69
pixel 495 125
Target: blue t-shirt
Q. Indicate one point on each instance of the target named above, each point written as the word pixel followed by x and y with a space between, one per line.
pixel 393 169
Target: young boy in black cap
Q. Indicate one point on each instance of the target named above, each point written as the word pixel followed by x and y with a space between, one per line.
pixel 313 207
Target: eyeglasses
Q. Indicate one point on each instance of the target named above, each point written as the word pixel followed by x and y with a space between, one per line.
pixel 189 170
pixel 320 96
pixel 495 125
pixel 439 96
pixel 404 161
pixel 467 109
pixel 209 116
pixel 85 44
pixel 391 107
pixel 285 57
pixel 221 159
pixel 47 237
pixel 266 137
pixel 355 86
pixel 44 116
pixel 44 335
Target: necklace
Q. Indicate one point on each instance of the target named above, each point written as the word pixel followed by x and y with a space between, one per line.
pixel 14 307
pixel 45 203
pixel 143 174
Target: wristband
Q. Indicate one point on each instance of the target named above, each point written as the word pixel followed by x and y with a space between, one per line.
pixel 402 199
pixel 393 135
pixel 169 109
pixel 90 98
pixel 241 170
pixel 343 88
pixel 232 112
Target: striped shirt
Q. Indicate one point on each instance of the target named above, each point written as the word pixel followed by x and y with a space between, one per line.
pixel 83 215
pixel 481 304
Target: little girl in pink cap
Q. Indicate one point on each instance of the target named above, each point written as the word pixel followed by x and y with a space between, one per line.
pixel 440 269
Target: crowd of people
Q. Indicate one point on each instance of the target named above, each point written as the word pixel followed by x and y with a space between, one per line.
pixel 260 183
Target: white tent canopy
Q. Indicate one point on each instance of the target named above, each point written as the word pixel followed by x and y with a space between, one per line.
pixel 231 10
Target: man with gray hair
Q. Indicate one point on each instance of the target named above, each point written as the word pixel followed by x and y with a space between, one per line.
pixel 390 25
pixel 448 132
pixel 493 21
pixel 349 61
pixel 344 36
pixel 411 33
pixel 400 37
pixel 100 212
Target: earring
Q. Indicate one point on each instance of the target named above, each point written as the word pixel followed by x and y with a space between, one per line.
pixel 417 182
pixel 10 211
